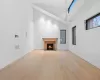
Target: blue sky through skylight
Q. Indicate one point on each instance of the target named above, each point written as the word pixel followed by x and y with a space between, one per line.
pixel 72 5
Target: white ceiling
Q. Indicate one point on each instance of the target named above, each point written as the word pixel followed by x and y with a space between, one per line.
pixel 55 3
pixel 56 7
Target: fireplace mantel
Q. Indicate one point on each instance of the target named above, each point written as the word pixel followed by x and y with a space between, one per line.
pixel 50 41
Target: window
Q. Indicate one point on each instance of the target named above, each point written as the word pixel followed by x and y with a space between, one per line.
pixel 74 35
pixel 62 36
pixel 93 22
pixel 71 5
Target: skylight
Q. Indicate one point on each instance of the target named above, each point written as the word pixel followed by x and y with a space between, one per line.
pixel 71 5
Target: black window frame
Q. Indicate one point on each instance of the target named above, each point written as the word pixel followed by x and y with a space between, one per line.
pixel 86 21
pixel 70 6
pixel 74 35
pixel 65 36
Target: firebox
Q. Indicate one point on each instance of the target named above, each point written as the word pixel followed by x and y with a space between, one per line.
pixel 50 43
pixel 50 47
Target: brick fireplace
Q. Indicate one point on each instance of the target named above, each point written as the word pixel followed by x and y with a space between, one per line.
pixel 50 43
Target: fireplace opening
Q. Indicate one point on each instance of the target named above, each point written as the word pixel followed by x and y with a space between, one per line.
pixel 50 43
pixel 50 47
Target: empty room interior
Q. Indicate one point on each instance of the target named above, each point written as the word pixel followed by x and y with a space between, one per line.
pixel 49 39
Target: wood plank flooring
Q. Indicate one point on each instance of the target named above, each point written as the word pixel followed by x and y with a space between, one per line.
pixel 50 65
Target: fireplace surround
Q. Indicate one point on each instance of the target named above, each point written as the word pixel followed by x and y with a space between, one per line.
pixel 50 43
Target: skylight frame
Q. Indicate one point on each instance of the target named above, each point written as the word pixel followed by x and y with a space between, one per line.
pixel 73 1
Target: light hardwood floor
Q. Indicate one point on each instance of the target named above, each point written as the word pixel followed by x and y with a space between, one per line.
pixel 50 65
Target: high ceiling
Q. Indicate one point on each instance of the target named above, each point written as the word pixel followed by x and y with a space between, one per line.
pixel 55 3
pixel 56 7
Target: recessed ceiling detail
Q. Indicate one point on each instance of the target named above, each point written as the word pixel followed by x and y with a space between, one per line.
pixel 55 7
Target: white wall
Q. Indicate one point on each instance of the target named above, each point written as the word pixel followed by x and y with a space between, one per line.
pixel 47 27
pixel 15 18
pixel 87 41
